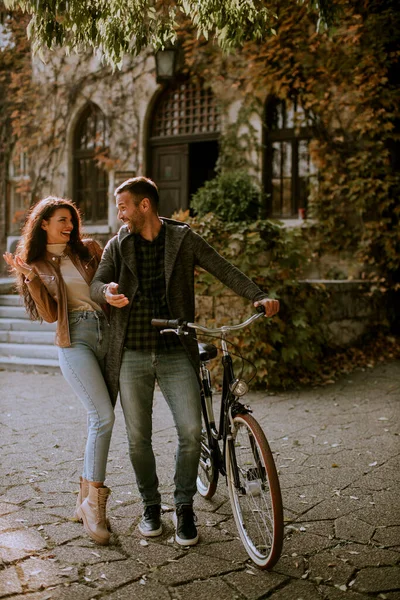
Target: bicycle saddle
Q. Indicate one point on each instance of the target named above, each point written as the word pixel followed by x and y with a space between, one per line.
pixel 207 351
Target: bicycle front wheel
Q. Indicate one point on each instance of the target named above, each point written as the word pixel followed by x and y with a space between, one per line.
pixel 207 475
pixel 254 491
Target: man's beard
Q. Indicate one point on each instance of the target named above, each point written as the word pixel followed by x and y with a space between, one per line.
pixel 136 227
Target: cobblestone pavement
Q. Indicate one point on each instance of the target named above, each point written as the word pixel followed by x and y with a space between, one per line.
pixel 337 450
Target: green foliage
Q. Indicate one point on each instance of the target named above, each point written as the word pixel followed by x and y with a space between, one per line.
pixel 231 196
pixel 127 28
pixel 347 82
pixel 289 346
pixel 346 79
pixel 36 108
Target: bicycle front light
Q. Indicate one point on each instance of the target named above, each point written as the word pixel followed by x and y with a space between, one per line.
pixel 239 387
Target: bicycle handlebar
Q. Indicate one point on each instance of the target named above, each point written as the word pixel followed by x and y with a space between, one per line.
pixel 171 323
pixel 179 325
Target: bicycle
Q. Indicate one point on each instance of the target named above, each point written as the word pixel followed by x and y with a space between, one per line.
pixel 245 460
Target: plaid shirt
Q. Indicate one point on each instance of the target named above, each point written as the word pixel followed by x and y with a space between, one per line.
pixel 150 301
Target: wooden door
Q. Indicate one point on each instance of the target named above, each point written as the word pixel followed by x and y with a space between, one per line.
pixel 170 173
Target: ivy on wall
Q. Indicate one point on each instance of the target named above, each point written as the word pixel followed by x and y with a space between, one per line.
pixel 347 81
pixel 39 100
pixel 274 258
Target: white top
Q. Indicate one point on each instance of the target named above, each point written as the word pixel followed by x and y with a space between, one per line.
pixel 78 294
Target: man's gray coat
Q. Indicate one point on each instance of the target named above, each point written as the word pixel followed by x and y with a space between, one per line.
pixel 184 250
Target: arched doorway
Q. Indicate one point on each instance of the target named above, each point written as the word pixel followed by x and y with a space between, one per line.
pixel 183 143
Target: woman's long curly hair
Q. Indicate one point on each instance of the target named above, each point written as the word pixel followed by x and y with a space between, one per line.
pixel 32 245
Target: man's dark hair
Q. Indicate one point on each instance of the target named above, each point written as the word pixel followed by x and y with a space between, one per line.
pixel 140 187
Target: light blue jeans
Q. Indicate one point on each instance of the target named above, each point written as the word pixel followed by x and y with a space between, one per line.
pixel 180 387
pixel 82 365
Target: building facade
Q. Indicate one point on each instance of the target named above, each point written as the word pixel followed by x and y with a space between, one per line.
pixel 93 128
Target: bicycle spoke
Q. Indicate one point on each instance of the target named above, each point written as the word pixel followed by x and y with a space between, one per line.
pixel 207 474
pixel 256 499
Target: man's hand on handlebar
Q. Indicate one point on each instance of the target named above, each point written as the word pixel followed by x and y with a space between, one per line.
pixel 112 297
pixel 271 306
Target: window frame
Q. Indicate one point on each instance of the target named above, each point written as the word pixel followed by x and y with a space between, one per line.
pixel 81 154
pixel 19 199
pixel 292 135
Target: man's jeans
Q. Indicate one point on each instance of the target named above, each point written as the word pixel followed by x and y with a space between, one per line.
pixel 82 366
pixel 179 384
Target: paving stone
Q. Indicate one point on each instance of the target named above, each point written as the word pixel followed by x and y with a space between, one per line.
pixel 18 494
pixel 229 550
pixel 253 583
pixel 112 575
pixel 190 567
pixel 206 589
pixel 154 553
pixel 19 544
pixel 9 582
pixel 7 522
pixel 30 518
pixel 144 589
pixel 121 526
pixel 61 592
pixel 382 579
pixel 42 463
pixel 352 528
pixel 385 509
pixel 302 498
pixel 6 508
pixel 366 555
pixel 330 567
pixel 388 536
pixel 63 532
pixel 41 573
pixel 392 595
pixel 295 542
pixel 77 555
pixel 299 590
pixel 291 566
pixel 333 593
pixel 213 534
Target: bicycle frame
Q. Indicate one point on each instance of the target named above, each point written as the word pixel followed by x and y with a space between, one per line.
pixel 228 400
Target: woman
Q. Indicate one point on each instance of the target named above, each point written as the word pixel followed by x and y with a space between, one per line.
pixel 54 269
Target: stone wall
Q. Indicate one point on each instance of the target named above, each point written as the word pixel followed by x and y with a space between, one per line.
pixel 351 312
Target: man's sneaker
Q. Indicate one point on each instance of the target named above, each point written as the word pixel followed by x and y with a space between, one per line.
pixel 150 525
pixel 184 521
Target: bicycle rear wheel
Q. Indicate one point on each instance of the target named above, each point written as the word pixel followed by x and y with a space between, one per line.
pixel 254 491
pixel 207 475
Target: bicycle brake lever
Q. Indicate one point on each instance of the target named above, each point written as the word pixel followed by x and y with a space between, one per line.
pixel 178 331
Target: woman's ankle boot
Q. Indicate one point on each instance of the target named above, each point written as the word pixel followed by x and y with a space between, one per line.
pixel 82 494
pixel 92 511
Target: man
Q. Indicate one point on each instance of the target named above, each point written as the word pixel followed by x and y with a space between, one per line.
pixel 147 271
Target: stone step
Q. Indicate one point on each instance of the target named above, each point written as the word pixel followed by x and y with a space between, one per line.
pixel 7 285
pixel 30 351
pixel 10 300
pixel 13 312
pixel 27 337
pixel 29 365
pixel 24 325
pixel 25 345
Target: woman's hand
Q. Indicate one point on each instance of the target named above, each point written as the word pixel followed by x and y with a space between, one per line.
pixel 17 264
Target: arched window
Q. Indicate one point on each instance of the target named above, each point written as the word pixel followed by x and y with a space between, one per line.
pixel 90 180
pixel 187 109
pixel 288 169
